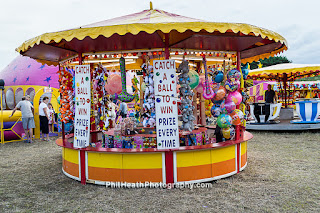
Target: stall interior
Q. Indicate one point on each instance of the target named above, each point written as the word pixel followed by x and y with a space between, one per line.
pixel 211 101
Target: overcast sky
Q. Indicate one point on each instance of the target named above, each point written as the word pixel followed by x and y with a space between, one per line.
pixel 296 20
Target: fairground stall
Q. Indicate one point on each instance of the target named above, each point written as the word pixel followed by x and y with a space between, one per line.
pixel 303 94
pixel 25 76
pixel 165 138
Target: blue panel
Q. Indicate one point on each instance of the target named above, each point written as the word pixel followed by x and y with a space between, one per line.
pixel 303 111
pixel 314 111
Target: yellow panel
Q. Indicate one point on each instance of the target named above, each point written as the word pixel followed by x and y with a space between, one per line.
pixel 70 155
pixel 105 160
pixel 223 154
pixel 142 161
pixel 243 147
pixel 193 158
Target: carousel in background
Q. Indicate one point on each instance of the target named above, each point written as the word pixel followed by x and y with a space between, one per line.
pixel 183 70
pixel 25 76
pixel 294 97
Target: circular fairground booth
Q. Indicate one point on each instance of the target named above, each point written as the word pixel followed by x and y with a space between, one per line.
pixel 175 73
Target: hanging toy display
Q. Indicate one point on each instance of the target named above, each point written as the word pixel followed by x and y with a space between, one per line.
pixel 224 121
pixel 194 79
pixel 124 96
pixel 245 71
pixel 208 92
pixel 66 92
pixel 113 85
pixel 100 100
pixel 135 88
pixel 234 74
pixel 199 88
pixel 186 95
pixel 228 133
pixel 149 115
pixel 232 84
pixel 219 77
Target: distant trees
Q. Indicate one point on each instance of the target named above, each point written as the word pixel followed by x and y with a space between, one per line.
pixel 269 61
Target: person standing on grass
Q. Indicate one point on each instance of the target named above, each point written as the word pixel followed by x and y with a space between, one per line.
pixel 44 118
pixel 51 117
pixel 270 97
pixel 28 99
pixel 28 124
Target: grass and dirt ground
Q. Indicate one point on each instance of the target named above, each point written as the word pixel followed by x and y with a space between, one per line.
pixel 283 175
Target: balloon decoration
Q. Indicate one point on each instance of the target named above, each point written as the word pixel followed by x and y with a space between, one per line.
pixel 199 88
pixel 234 74
pixel 220 93
pixel 235 97
pixel 216 110
pixel 228 132
pixel 224 121
pixel 113 84
pixel 232 84
pixel 230 106
pixel 186 95
pixel 219 77
pixel 227 97
pixel 194 79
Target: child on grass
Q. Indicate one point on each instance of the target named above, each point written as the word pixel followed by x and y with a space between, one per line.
pixel 51 117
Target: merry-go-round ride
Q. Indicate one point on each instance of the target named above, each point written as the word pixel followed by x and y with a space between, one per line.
pixel 282 114
pixel 166 140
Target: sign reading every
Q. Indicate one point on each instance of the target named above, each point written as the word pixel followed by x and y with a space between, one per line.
pixel 166 104
pixel 82 106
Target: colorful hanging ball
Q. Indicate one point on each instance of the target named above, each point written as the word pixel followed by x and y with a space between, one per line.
pixel 234 96
pixel 234 74
pixel 235 118
pixel 194 79
pixel 199 88
pixel 219 77
pixel 228 132
pixel 232 84
pixel 224 121
pixel 216 110
pixel 220 93
pixel 113 84
pixel 240 114
pixel 230 106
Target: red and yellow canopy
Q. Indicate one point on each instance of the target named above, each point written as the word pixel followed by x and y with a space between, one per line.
pixel 293 71
pixel 147 29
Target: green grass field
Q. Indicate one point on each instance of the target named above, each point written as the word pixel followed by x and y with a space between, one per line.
pixel 283 175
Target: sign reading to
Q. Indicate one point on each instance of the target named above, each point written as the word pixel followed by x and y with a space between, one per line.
pixel 82 106
pixel 165 89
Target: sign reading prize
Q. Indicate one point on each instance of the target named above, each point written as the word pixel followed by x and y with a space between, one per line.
pixel 82 106
pixel 165 88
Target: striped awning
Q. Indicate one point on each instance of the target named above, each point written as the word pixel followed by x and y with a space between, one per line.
pixel 147 29
pixel 293 71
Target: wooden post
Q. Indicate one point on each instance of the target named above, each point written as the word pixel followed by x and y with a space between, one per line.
pixel 166 47
pixel 194 103
pixel 285 88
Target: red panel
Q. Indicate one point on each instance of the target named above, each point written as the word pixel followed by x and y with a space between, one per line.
pixel 169 166
pixel 83 166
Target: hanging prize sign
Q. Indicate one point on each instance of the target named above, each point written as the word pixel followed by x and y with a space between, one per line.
pixel 82 106
pixel 165 87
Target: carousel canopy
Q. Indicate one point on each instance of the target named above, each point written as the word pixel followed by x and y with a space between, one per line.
pixel 147 30
pixel 293 71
